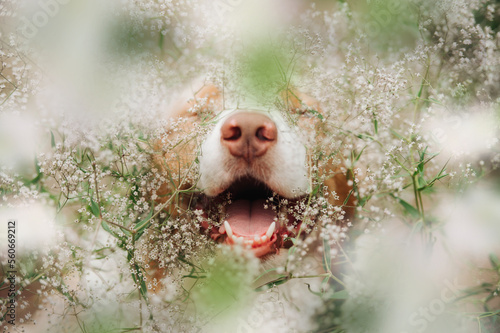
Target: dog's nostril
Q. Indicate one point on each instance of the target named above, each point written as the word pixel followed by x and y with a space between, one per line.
pixel 248 135
pixel 231 133
pixel 267 132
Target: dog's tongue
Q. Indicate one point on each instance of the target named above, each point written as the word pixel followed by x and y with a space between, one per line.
pixel 249 218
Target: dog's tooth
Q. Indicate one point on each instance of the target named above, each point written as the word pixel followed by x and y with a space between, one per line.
pixel 263 239
pixel 249 242
pixel 256 239
pixel 270 231
pixel 238 240
pixel 229 231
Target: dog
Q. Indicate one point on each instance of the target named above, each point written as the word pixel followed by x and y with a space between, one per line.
pixel 249 159
pixel 248 180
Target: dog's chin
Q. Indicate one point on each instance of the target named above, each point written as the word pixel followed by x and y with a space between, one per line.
pixel 247 213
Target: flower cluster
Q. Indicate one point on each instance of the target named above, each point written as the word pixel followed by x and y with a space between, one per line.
pixel 409 98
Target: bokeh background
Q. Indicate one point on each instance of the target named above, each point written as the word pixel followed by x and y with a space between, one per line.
pixel 411 97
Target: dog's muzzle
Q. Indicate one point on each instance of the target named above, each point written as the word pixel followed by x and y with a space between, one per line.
pixel 248 164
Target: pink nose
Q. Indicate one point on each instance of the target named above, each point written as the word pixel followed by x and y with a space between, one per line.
pixel 248 135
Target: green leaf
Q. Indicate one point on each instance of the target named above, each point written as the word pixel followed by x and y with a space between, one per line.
pixel 375 125
pixel 359 155
pixel 276 282
pixel 264 273
pixel 130 329
pixel 327 260
pixel 94 208
pixel 141 283
pixel 363 136
pixel 37 167
pixel 316 190
pixel 419 94
pixel 52 140
pixel 325 280
pixel 408 208
pixel 440 175
pixel 143 225
pixel 420 168
pixel 348 196
pixel 399 136
pixel 362 201
pixel 494 261
pixel 434 101
pixel 38 173
pixel 62 289
pixel 421 183
pixel 343 294
pixel 106 227
pixel 422 154
pixel 36 179
pixel 316 113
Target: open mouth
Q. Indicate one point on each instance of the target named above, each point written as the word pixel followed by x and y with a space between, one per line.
pixel 248 213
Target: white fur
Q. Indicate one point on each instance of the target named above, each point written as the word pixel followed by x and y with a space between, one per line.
pixel 283 168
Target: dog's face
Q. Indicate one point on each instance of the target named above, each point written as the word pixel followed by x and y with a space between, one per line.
pixel 253 170
pixel 247 159
pixel 253 145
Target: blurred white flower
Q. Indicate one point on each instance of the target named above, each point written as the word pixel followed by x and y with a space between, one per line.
pixel 473 223
pixel 399 286
pixel 19 140
pixel 35 227
pixel 464 135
